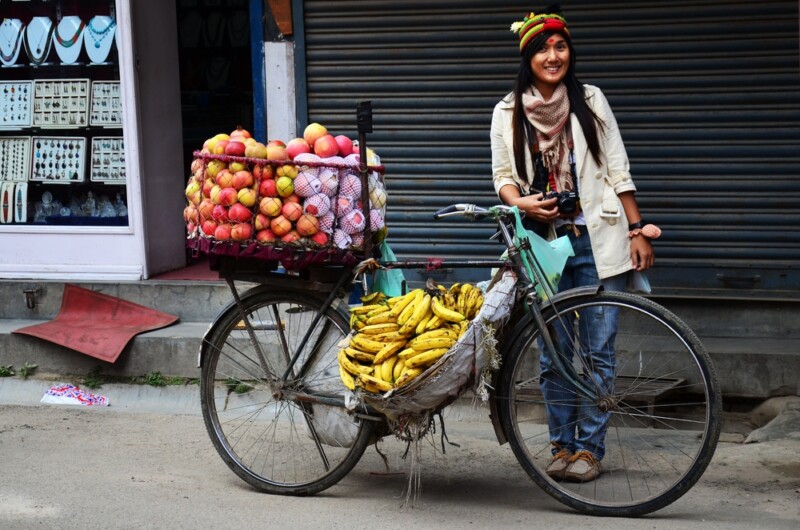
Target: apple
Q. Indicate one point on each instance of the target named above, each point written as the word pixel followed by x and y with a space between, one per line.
pixel 279 143
pixel 277 152
pixel 212 142
pixel 307 225
pixel 267 188
pixel 220 213
pixel 214 167
pixel 242 179
pixel 270 206
pixel 204 208
pixel 280 226
pixel 190 213
pixel 214 193
pixel 199 175
pixel 223 232
pixel 290 237
pixel 297 146
pixel 239 213
pixel 261 222
pixel 285 186
pixel 220 146
pixel 240 133
pixel 241 232
pixel 228 196
pixel 326 146
pixel 196 198
pixel 287 170
pixel 235 148
pixel 208 184
pixel 293 198
pixel 197 163
pixel 208 227
pixel 345 144
pixel 265 236
pixel 313 132
pixel 190 228
pixel 192 188
pixel 261 172
pixel 256 150
pixel 292 211
pixel 235 167
pixel 320 238
pixel 224 178
pixel 247 197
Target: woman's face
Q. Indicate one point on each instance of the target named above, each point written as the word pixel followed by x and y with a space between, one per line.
pixel 550 63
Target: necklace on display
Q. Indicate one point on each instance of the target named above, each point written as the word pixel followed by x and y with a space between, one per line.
pixel 68 43
pixel 45 26
pixel 99 35
pixel 11 30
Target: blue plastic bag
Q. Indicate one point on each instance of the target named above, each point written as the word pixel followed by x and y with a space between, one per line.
pixel 389 281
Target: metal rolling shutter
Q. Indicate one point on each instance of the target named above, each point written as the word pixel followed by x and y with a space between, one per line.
pixel 707 98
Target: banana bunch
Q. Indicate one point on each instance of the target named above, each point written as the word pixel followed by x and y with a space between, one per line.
pixel 398 338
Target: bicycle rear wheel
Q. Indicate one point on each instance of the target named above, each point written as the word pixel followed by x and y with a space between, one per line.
pixel 662 409
pixel 274 442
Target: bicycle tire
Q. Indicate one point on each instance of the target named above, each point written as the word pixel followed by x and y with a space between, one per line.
pixel 665 409
pixel 277 445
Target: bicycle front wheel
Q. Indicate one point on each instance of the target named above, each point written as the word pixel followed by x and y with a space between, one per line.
pixel 655 420
pixel 273 441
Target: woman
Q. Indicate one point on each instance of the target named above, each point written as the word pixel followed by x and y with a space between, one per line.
pixel 550 128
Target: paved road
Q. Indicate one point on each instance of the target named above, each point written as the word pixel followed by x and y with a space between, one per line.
pixel 64 466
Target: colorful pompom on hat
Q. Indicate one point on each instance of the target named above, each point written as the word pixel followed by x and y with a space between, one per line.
pixel 533 24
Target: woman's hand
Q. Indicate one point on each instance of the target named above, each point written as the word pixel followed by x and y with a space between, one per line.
pixel 642 254
pixel 534 207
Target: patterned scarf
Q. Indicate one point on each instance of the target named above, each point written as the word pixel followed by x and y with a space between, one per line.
pixel 549 119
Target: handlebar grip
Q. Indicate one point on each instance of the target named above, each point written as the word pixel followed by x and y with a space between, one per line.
pixel 443 211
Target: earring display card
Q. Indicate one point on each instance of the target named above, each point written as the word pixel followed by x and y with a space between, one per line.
pixel 60 104
pixel 106 104
pixel 58 159
pixel 15 155
pixel 16 99
pixel 108 160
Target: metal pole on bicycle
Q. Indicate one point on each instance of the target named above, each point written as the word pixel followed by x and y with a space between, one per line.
pixel 364 122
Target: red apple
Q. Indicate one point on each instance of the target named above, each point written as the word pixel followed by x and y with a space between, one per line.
pixel 190 213
pixel 207 185
pixel 277 152
pixel 191 188
pixel 293 198
pixel 239 213
pixel 241 232
pixel 267 188
pixel 220 146
pixel 313 132
pixel 326 146
pixel 279 143
pixel 292 211
pixel 261 222
pixel 261 172
pixel 224 178
pixel 190 228
pixel 235 148
pixel 220 213
pixel 247 196
pixel 290 237
pixel 307 225
pixel 345 145
pixel 197 163
pixel 265 236
pixel 242 179
pixel 223 232
pixel 270 206
pixel 205 208
pixel 320 238
pixel 208 227
pixel 228 196
pixel 280 226
pixel 240 133
pixel 297 146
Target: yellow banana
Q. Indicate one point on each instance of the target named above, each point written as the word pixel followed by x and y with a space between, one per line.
pixel 350 366
pixel 425 358
pixel 424 322
pixel 454 288
pixel 387 368
pixel 403 302
pixel 450 301
pixel 347 379
pixel 435 322
pixel 364 309
pixel 398 368
pixel 388 351
pixel 444 313
pixel 435 334
pixel 380 309
pixel 420 310
pixel 364 343
pixel 375 297
pixel 385 317
pixel 406 376
pixel 430 344
pixel 359 355
pixel 380 384
pixel 408 352
pixel 374 329
pixel 403 317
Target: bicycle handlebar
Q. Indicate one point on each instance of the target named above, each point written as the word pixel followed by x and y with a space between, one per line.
pixel 471 210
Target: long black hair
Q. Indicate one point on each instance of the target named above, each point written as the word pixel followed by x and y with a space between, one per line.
pixel 524 135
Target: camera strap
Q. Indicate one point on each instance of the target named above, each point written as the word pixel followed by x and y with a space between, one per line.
pixel 551 177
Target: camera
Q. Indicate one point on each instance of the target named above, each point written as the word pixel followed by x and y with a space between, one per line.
pixel 567 200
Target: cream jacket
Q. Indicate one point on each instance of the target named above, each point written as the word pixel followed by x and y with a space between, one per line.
pixel 598 185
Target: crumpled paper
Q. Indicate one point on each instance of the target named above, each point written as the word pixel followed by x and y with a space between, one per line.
pixel 72 395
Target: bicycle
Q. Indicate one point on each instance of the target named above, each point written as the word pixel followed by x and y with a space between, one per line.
pixel 270 385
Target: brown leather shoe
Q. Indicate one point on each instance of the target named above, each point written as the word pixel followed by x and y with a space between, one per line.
pixel 583 467
pixel 558 467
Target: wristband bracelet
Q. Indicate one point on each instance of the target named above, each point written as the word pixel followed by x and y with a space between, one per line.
pixel 638 224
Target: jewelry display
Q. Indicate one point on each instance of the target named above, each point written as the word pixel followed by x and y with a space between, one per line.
pixel 11 30
pixel 7 202
pixel 99 37
pixel 108 160
pixel 106 104
pixel 21 202
pixel 16 108
pixel 60 104
pixel 15 155
pixel 58 159
pixel 38 39
pixel 67 39
pixel 239 29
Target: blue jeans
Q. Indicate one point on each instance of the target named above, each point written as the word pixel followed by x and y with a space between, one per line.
pixel 576 424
